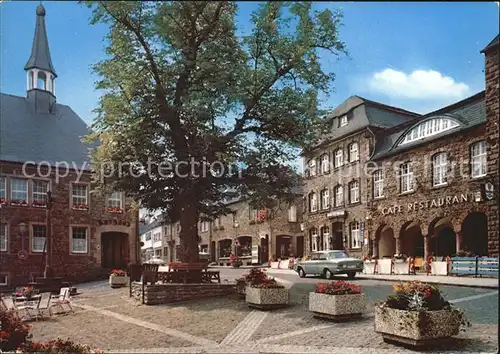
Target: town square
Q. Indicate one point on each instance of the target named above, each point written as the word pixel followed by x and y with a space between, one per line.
pixel 257 177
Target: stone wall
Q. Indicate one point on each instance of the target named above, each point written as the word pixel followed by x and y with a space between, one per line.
pixel 70 266
pixel 168 293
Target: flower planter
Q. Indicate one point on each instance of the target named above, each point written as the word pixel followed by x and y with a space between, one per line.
pixel 336 307
pixel 413 328
pixel 400 267
pixel 369 267
pixel 118 281
pixel 439 268
pixel 384 266
pixel 240 288
pixel 266 298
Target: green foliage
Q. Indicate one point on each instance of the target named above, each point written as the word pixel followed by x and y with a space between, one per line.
pixel 180 85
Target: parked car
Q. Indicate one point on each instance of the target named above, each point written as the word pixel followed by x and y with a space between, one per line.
pixel 155 260
pixel 329 263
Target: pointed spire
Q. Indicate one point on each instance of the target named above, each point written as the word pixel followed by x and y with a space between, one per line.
pixel 40 53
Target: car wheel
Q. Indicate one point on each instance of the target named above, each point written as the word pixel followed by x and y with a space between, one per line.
pixel 301 272
pixel 327 274
pixel 351 275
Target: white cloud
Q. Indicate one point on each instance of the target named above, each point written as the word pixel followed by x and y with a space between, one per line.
pixel 418 85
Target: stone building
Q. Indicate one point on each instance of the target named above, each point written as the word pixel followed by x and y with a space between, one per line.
pixel 41 151
pixel 434 190
pixel 335 204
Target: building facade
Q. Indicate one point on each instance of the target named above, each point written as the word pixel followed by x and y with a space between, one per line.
pixel 41 151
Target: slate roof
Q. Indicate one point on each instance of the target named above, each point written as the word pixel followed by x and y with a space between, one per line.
pixel 40 53
pixel 362 113
pixel 468 113
pixel 494 43
pixel 29 136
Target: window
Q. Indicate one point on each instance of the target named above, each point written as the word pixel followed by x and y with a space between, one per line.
pixel 4 279
pixel 38 240
pixel 3 237
pixel 39 195
pixel 343 121
pixel 292 213
pixel 325 199
pixel 19 192
pixel 157 236
pixel 478 159
pixel 79 197
pixel 218 222
pixel 353 152
pixel 325 235
pixel 115 202
pixel 355 235
pixel 79 240
pixel 148 236
pixel 158 253
pixel 313 202
pixel 252 214
pixel 339 196
pixel 3 190
pixel 339 158
pixel 204 226
pixel 429 128
pixel 378 184
pixel 325 163
pixel 439 169
pixel 314 240
pixel 354 192
pixel 406 173
pixel 312 167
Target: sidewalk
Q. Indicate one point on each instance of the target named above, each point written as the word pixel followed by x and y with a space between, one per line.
pixel 491 283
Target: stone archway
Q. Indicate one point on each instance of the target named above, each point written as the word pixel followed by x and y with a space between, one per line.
pixel 411 239
pixel 283 246
pixel 475 234
pixel 443 240
pixel 384 237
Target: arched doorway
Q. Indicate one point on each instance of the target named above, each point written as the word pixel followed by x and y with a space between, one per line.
pixel 283 246
pixel 475 234
pixel 444 240
pixel 338 235
pixel 114 250
pixel 386 242
pixel 212 251
pixel 264 249
pixel 412 241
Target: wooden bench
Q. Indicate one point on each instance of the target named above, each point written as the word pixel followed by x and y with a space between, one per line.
pixel 195 272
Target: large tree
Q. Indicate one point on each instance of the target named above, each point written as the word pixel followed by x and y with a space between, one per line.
pixel 201 112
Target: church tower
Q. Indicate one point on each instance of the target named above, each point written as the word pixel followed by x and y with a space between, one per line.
pixel 40 72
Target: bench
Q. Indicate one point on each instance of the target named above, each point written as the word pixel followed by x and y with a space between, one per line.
pixel 487 266
pixel 464 266
pixel 194 272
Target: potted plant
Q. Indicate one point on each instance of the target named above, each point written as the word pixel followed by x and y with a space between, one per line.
pixel 264 293
pixel 338 300
pixel 118 278
pixel 26 292
pixel 417 315
pixel 235 261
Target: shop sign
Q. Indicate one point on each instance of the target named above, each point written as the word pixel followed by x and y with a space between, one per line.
pixel 426 204
pixel 333 214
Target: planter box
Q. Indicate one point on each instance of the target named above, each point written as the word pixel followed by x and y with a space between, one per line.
pixel 439 268
pixel 420 329
pixel 266 298
pixel 336 307
pixel 369 268
pixel 240 288
pixel 384 266
pixel 118 282
pixel 401 267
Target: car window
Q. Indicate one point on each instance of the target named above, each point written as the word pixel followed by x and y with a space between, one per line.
pixel 336 255
pixel 323 256
pixel 314 257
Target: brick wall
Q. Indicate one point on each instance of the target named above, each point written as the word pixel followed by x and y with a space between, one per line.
pixel 71 266
pixel 168 293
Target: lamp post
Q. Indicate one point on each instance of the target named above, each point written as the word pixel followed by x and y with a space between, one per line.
pixel 236 243
pixel 48 273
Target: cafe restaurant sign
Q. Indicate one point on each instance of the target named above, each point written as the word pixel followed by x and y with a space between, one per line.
pixel 426 204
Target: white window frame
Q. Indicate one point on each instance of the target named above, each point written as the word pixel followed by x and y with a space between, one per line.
pixel 429 128
pixel 406 177
pixel 313 202
pixel 75 198
pixel 343 121
pixel 339 158
pixel 292 213
pixel 314 240
pixel 33 249
pixel 325 199
pixel 339 195
pixel 12 190
pixel 4 236
pixel 354 192
pixel 353 152
pixel 325 163
pixel 312 167
pixel 440 169
pixel 112 199
pixel 478 159
pixel 148 236
pixel 79 251
pixel 355 235
pixel 378 184
pixel 325 232
pixel 157 236
pixel 37 196
pixel 3 190
pixel 204 225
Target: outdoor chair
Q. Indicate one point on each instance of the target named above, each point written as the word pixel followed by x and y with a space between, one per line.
pixel 62 299
pixel 43 305
pixel 62 294
pixel 10 305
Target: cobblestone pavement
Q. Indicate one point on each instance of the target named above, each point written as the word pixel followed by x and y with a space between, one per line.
pixel 106 318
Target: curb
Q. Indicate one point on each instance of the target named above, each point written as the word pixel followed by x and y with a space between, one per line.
pixel 434 282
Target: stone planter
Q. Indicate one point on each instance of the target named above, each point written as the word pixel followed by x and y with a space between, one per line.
pixel 240 288
pixel 266 298
pixel 384 266
pixel 413 328
pixel 369 267
pixel 439 268
pixel 400 267
pixel 336 307
pixel 118 281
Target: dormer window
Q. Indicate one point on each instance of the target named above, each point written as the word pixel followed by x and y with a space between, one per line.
pixel 312 167
pixel 343 121
pixel 429 128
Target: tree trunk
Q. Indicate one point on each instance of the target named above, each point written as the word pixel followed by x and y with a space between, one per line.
pixel 189 228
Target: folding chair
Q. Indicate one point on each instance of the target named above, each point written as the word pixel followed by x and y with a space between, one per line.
pixel 63 300
pixel 10 305
pixel 43 304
